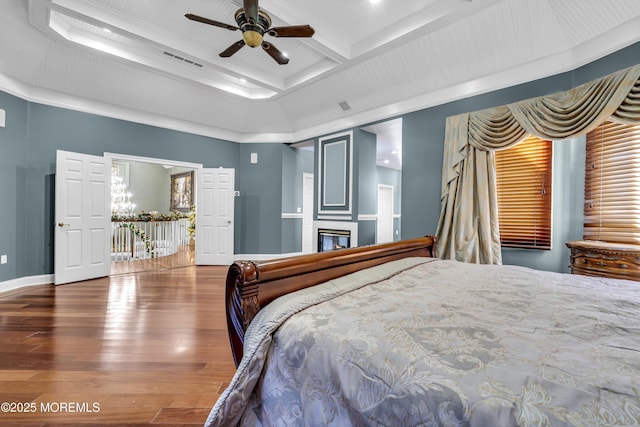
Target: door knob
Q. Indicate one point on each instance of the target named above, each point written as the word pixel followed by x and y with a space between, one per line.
pixel 62 224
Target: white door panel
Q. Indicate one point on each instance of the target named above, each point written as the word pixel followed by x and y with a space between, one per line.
pixel 384 229
pixel 307 213
pixel 81 248
pixel 215 213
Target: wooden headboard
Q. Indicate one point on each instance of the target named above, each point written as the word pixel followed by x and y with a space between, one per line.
pixel 252 285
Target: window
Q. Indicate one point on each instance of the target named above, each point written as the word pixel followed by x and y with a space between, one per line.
pixel 612 184
pixel 523 174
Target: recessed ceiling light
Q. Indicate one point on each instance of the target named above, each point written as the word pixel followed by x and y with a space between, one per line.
pixel 374 1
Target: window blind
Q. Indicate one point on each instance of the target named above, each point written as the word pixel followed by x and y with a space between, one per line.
pixel 612 184
pixel 523 175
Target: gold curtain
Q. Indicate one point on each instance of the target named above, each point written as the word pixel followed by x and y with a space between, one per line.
pixel 468 227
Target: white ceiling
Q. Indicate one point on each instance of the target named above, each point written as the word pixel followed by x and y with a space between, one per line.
pixel 144 61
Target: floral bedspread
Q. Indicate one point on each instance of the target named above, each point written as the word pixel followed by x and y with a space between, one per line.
pixel 434 342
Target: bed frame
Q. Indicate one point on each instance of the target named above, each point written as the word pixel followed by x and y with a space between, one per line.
pixel 250 286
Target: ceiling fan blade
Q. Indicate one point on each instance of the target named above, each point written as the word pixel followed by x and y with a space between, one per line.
pixel 210 21
pixel 251 10
pixel 292 31
pixel 273 52
pixel 232 49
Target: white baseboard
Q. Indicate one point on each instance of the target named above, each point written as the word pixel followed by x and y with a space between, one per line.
pixel 262 257
pixel 23 282
pixel 367 217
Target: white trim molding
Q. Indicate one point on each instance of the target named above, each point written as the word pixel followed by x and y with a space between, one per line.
pixel 334 217
pixel 175 163
pixel 23 282
pixel 291 215
pixel 367 217
pixel 343 207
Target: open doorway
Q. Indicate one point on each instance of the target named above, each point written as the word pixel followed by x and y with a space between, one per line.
pixel 388 182
pixel 153 213
pixel 298 190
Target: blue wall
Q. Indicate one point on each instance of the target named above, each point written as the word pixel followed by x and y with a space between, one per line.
pixel 423 148
pixel 29 142
pixel 34 132
pixel 13 187
pixel 260 201
pixel 423 136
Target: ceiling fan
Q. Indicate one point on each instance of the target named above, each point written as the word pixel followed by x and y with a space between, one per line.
pixel 254 24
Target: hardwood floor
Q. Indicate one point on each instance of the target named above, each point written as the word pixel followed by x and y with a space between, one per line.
pixel 145 348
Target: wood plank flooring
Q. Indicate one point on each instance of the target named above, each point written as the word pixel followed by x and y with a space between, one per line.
pixel 144 348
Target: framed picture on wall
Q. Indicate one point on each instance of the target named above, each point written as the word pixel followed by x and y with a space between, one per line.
pixel 182 191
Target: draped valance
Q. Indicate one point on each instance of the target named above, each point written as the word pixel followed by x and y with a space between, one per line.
pixel 468 227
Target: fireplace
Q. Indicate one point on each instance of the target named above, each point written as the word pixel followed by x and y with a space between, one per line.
pixel 330 240
pixel 330 235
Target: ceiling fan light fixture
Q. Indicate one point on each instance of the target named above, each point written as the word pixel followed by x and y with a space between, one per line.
pixel 254 23
pixel 252 38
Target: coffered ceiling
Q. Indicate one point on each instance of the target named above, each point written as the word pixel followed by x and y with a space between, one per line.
pixel 368 61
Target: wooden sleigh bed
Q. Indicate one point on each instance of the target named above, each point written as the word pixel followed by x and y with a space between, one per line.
pixel 390 335
pixel 252 285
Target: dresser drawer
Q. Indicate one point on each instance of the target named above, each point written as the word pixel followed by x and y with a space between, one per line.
pixel 598 263
pixel 606 260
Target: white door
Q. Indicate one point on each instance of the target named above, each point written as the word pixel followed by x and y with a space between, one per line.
pixel 384 232
pixel 307 213
pixel 82 218
pixel 214 221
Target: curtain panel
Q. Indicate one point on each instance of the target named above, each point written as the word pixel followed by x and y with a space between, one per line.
pixel 468 228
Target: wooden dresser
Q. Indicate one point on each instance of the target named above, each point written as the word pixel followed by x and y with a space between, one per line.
pixel 593 258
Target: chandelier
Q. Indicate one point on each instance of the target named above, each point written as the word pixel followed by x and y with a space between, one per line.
pixel 121 205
